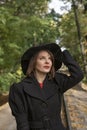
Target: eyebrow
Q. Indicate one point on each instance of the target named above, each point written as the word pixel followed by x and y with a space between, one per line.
pixel 45 56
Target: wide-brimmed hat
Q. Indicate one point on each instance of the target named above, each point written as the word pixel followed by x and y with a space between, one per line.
pixel 52 47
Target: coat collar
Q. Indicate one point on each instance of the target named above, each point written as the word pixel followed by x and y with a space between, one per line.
pixel 32 88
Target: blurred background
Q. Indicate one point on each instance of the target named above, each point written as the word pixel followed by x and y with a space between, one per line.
pixel 26 23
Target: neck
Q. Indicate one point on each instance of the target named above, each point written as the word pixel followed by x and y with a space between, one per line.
pixel 40 77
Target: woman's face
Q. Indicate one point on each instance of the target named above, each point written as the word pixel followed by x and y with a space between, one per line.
pixel 43 62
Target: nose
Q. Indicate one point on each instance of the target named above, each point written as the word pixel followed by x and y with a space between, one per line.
pixel 47 61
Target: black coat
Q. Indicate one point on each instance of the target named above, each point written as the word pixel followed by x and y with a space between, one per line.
pixel 34 107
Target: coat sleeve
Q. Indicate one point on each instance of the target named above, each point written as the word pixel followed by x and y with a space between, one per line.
pixel 18 106
pixel 64 81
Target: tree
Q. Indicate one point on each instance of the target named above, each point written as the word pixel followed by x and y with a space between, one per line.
pixel 80 20
pixel 21 28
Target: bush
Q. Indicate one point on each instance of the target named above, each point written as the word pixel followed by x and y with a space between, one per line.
pixel 6 79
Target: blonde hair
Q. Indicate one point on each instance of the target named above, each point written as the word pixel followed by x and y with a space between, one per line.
pixel 32 64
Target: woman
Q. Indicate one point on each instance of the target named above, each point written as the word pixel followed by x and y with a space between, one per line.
pixel 36 100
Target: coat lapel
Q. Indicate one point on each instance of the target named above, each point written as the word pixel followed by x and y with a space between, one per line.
pixel 32 88
pixel 50 88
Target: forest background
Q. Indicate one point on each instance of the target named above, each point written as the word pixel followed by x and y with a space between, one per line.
pixel 26 23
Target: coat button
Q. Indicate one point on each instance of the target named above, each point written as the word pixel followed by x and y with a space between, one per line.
pixel 44 105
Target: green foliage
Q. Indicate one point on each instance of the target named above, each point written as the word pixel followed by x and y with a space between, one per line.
pixel 22 24
pixel 71 25
pixel 6 80
pixel 27 23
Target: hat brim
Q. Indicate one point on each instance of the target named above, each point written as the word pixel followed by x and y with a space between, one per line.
pixel 52 47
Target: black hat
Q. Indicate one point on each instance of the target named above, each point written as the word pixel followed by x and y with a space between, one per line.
pixel 52 47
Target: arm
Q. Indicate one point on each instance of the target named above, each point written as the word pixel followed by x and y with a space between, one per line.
pixel 18 106
pixel 66 82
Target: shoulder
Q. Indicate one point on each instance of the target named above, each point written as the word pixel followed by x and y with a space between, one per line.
pixel 19 86
pixel 15 87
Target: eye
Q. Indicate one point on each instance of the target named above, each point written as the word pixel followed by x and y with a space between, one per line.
pixel 49 58
pixel 42 58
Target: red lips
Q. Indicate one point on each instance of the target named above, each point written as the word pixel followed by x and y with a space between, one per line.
pixel 47 67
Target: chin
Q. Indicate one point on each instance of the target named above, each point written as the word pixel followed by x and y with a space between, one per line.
pixel 46 72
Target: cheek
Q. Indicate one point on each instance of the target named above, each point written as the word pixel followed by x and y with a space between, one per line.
pixel 39 65
pixel 51 63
